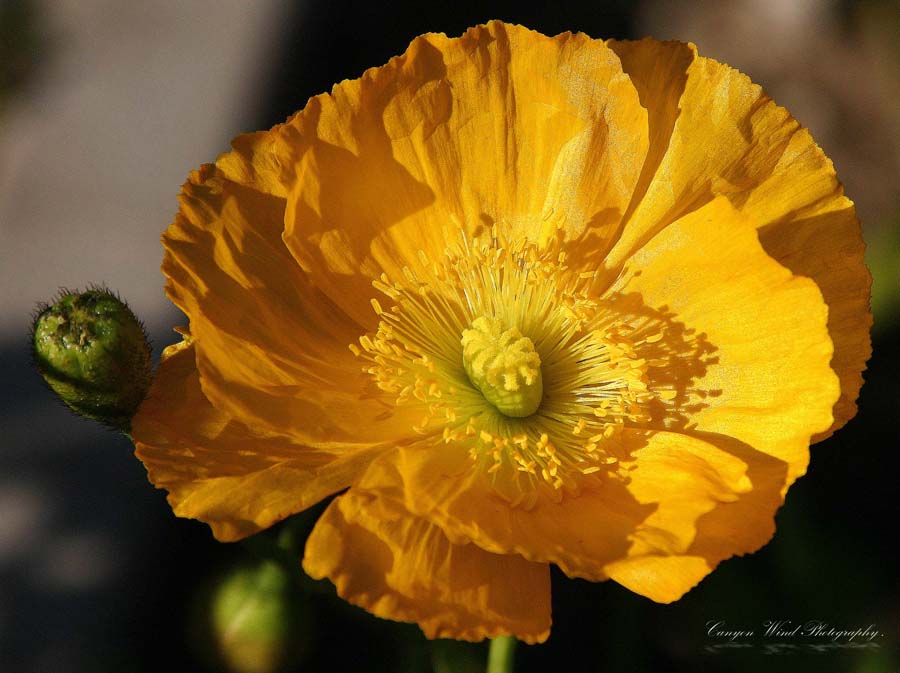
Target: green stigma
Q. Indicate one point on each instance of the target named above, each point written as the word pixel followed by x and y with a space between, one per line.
pixel 504 366
pixel 93 353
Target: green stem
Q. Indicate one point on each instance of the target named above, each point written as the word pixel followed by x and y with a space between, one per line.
pixel 502 654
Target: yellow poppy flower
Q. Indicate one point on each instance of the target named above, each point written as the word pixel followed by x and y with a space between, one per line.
pixel 534 300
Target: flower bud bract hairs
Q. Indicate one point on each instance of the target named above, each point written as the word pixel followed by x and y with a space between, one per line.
pixel 93 352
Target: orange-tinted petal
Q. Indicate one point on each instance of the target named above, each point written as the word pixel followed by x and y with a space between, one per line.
pixel 402 567
pixel 443 485
pixel 764 378
pixel 658 71
pixel 719 134
pixel 663 579
pixel 502 125
pixel 218 470
pixel 667 484
pixel 272 350
pixel 828 248
pixel 738 526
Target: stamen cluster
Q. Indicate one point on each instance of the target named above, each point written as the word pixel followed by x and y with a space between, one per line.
pixel 504 314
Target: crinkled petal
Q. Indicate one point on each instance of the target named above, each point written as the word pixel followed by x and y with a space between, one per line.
pixel 764 376
pixel 663 579
pixel 502 125
pixel 669 483
pixel 720 135
pixel 220 471
pixel 735 527
pixel 272 350
pixel 446 486
pixel 658 71
pixel 828 248
pixel 402 567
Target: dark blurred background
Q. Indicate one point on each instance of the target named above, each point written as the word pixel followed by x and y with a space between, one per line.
pixel 105 107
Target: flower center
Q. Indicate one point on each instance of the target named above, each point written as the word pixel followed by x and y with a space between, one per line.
pixel 533 411
pixel 504 366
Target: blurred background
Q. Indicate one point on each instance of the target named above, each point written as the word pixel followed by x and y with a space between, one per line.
pixel 105 106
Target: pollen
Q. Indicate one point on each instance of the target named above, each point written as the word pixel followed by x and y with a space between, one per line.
pixel 510 358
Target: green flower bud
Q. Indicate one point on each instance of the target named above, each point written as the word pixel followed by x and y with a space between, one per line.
pixel 94 354
pixel 258 619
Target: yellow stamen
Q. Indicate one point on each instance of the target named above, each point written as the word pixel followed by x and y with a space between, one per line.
pixel 509 355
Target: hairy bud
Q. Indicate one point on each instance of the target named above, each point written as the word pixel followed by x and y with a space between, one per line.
pixel 93 352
